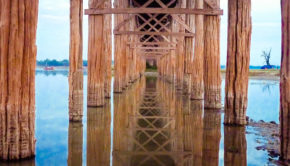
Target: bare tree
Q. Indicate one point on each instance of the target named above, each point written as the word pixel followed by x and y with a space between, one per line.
pixel 267 55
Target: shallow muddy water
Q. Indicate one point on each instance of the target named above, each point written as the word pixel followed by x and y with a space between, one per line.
pixel 150 124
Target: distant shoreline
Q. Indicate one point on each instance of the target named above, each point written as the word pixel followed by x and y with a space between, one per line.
pixel 272 74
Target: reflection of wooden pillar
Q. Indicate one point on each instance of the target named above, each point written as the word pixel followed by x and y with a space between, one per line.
pixel 197 91
pixel 212 73
pixel 285 82
pixel 193 128
pixel 235 146
pixel 75 144
pixel 18 23
pixel 211 137
pixel 96 58
pixel 108 49
pixel 76 61
pixel 239 42
pixel 99 135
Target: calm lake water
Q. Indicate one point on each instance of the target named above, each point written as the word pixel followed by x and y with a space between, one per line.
pixel 148 125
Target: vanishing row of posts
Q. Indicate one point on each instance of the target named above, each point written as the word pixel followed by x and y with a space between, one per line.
pixel 197 72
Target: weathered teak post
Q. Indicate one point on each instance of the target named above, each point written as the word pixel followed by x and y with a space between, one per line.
pixel 189 50
pixel 238 58
pixel 285 82
pixel 18 24
pixel 197 92
pixel 96 57
pixel 212 73
pixel 107 50
pixel 76 61
pixel 118 52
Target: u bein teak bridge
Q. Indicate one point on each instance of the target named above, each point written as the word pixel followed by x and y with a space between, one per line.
pixel 182 36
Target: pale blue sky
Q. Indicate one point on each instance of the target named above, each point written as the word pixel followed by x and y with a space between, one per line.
pixel 53 30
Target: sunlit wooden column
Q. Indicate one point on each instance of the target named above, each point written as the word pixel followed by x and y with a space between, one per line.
pixel 212 69
pixel 180 55
pixel 96 58
pixel 119 51
pixel 235 146
pixel 285 82
pixel 197 91
pixel 189 50
pixel 76 61
pixel 108 49
pixel 238 59
pixel 75 144
pixel 18 24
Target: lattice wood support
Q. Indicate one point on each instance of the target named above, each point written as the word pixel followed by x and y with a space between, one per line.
pixel 285 82
pixel 238 59
pixel 76 61
pixel 18 20
pixel 212 73
pixel 197 92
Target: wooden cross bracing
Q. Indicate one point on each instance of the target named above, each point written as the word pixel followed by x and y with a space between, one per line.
pixel 153 25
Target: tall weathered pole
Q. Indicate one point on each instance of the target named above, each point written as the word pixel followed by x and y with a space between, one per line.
pixel 212 73
pixel 238 58
pixel 285 82
pixel 108 49
pixel 197 92
pixel 189 50
pixel 96 58
pixel 76 61
pixel 18 24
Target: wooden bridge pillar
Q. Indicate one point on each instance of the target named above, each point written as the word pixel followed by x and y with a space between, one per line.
pixel 108 49
pixel 212 73
pixel 189 50
pixel 76 61
pixel 238 58
pixel 197 92
pixel 97 54
pixel 285 82
pixel 18 24
pixel 119 52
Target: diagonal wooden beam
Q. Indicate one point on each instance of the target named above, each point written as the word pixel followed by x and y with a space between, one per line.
pixel 212 4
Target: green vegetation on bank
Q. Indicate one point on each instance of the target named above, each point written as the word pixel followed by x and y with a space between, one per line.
pixel 56 63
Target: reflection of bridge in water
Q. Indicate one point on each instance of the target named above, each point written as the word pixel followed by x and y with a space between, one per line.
pixel 154 125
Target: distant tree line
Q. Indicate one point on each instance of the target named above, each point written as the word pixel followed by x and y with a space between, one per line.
pixel 54 62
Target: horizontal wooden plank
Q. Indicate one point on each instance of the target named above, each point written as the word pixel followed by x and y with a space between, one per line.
pixel 153 11
pixel 153 33
pixel 152 43
pixel 155 48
